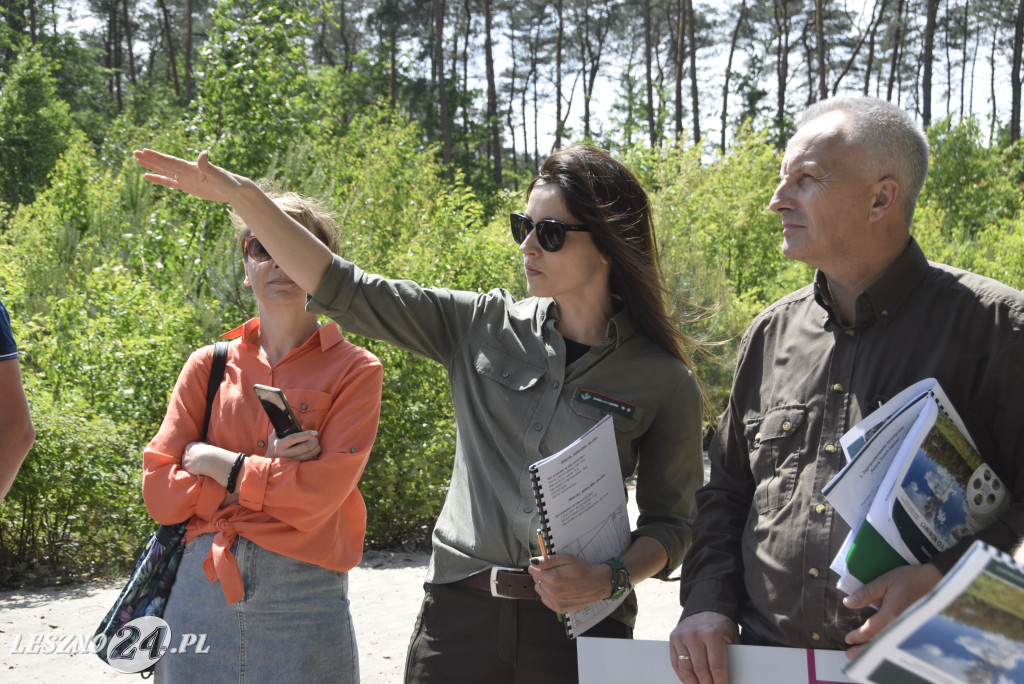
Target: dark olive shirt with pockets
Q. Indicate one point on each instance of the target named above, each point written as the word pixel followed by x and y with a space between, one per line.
pixel 765 536
pixel 517 401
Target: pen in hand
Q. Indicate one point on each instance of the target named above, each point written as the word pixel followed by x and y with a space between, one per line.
pixel 544 554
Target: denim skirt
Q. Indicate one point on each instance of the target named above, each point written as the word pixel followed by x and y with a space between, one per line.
pixel 293 625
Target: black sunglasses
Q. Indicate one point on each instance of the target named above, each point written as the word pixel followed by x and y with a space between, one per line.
pixel 254 249
pixel 550 233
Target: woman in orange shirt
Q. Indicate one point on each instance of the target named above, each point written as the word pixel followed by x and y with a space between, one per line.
pixel 273 524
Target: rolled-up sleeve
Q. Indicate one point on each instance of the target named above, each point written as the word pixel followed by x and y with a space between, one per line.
pixel 670 469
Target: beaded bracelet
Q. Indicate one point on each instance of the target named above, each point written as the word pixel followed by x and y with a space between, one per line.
pixel 236 467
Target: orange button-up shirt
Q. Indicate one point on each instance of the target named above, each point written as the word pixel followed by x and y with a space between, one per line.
pixel 309 511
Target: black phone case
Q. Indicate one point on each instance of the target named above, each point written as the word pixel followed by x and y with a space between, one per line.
pixel 283 420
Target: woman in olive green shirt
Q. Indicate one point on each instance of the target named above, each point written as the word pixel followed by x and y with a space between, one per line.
pixel 524 376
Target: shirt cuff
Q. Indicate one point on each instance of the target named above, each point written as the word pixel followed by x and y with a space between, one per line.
pixel 668 537
pixel 252 482
pixel 710 596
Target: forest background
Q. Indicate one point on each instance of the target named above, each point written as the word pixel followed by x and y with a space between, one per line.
pixel 420 122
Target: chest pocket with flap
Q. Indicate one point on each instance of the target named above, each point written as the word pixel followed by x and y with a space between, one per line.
pixel 775 442
pixel 513 373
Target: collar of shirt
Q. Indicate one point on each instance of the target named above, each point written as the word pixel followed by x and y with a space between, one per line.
pixel 619 330
pixel 328 335
pixel 883 298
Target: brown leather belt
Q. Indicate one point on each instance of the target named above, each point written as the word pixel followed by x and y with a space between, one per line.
pixel 511 583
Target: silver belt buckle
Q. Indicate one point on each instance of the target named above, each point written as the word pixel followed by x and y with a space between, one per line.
pixel 494 580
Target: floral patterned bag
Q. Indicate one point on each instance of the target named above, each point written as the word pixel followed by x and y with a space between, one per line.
pixel 150 583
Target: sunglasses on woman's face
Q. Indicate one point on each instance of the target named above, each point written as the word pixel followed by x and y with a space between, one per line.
pixel 255 250
pixel 550 233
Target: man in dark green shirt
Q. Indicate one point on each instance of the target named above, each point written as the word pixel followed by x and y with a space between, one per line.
pixel 877 318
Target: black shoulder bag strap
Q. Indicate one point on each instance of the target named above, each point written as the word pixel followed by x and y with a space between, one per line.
pixel 220 361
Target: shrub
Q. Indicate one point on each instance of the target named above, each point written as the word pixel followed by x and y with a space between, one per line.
pixel 35 126
pixel 76 506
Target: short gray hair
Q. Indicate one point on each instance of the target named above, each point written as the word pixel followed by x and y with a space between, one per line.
pixel 896 141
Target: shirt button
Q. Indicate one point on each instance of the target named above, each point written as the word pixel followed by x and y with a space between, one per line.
pixel 538 427
pixel 838 387
pixel 528 509
pixel 885 312
pixel 303 406
pixel 830 448
pixel 556 384
pixel 352 450
pixel 848 332
pixel 787 426
pixel 260 443
pixel 813 572
pixel 815 636
pixel 268 371
pixel 819 509
pixel 504 373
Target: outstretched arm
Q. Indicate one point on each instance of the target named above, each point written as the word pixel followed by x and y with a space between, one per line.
pixel 297 251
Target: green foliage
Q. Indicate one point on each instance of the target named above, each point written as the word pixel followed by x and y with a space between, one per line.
pixel 101 346
pixel 720 245
pixel 76 506
pixel 255 92
pixel 81 82
pixel 990 603
pixel 92 324
pixel 407 477
pixel 34 127
pixel 969 214
pixel 969 182
pixel 345 92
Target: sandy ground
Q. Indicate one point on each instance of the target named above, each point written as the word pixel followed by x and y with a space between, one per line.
pixel 385 589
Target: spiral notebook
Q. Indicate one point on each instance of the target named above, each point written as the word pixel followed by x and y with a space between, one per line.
pixel 582 502
pixel 968 628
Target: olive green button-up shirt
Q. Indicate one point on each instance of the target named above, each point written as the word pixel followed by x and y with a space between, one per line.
pixel 765 536
pixel 516 401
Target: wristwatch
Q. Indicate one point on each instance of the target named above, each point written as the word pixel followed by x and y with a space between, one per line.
pixel 620 577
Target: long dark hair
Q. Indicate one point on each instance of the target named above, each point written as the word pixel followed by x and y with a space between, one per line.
pixel 604 195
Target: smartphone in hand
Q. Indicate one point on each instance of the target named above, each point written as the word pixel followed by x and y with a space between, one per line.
pixel 277 408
